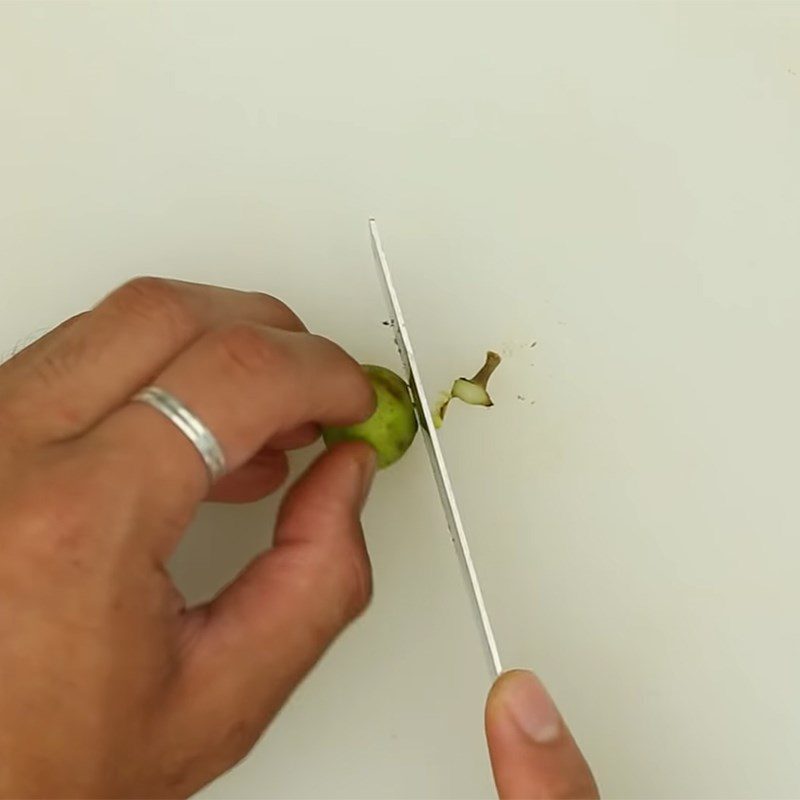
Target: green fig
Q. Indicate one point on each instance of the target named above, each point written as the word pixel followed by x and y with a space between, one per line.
pixel 392 426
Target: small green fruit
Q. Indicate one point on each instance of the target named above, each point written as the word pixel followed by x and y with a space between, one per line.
pixel 393 425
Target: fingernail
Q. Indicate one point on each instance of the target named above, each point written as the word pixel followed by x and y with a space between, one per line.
pixel 369 465
pixel 530 706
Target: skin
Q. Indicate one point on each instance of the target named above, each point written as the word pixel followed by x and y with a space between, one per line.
pixel 391 428
pixel 111 686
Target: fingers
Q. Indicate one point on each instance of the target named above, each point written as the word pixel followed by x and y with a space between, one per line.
pixel 301 436
pixel 40 344
pixel 248 384
pixel 533 753
pixel 266 471
pixel 260 476
pixel 261 635
pixel 71 378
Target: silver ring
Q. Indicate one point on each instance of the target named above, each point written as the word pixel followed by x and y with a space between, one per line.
pixel 189 425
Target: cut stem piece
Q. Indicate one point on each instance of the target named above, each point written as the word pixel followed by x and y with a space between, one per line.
pixel 473 390
pixel 471 393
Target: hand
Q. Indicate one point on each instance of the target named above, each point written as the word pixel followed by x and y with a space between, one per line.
pixel 534 756
pixel 110 686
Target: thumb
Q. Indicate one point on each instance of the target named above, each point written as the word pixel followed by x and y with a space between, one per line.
pixel 258 638
pixel 533 753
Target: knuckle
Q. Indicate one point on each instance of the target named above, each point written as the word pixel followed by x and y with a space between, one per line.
pixel 178 773
pixel 340 359
pixel 350 367
pixel 331 350
pixel 214 754
pixel 280 314
pixel 156 300
pixel 248 348
pixel 143 291
pixel 239 737
pixel 355 583
pixel 68 323
pixel 352 381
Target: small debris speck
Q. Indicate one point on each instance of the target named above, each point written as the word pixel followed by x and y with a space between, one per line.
pixel 520 397
pixel 532 344
pixel 386 322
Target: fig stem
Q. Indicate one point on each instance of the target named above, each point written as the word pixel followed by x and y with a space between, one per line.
pixel 481 377
pixel 472 391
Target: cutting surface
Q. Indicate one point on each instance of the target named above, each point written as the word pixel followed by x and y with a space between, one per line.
pixel 618 183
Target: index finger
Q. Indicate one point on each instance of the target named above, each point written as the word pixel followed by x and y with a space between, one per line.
pixel 246 383
pixel 72 377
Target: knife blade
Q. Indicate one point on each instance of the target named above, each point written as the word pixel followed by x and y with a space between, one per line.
pixel 435 455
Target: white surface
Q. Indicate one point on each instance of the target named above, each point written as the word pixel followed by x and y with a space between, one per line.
pixel 620 183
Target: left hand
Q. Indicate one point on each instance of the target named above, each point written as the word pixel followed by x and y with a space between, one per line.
pixel 110 686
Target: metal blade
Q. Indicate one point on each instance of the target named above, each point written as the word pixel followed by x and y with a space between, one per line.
pixel 438 465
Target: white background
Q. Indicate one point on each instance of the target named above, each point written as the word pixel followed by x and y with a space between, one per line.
pixel 620 183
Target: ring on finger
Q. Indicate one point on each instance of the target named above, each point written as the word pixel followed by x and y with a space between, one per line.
pixel 189 424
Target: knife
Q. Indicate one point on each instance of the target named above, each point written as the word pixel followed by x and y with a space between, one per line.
pixel 440 473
